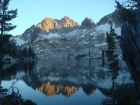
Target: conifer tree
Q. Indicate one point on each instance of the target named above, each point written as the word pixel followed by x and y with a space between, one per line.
pixel 6 16
pixel 24 52
pixel 111 55
pixel 5 26
pixel 127 10
pixel 113 62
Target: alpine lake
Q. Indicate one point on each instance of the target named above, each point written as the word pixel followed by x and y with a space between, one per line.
pixel 67 82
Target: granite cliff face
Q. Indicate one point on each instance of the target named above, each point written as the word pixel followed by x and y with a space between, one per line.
pixel 65 38
pixel 67 22
pixel 48 24
pixel 64 25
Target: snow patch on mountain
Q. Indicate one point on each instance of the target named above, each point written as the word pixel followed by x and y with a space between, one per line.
pixel 52 35
pixel 18 41
pixel 45 36
pixel 100 44
pixel 106 28
pixel 73 32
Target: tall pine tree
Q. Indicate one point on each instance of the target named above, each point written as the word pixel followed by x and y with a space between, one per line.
pixel 6 16
pixel 113 62
pixel 5 26
pixel 127 10
pixel 111 55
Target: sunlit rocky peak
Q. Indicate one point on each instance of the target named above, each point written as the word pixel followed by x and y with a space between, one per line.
pixel 67 22
pixel 49 24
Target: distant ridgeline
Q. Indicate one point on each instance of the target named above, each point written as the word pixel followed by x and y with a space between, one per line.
pixel 130 45
pixel 65 38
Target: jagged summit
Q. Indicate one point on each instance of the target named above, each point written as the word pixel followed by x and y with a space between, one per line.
pixel 65 17
pixel 67 22
pixel 47 24
pixel 87 23
pixel 54 25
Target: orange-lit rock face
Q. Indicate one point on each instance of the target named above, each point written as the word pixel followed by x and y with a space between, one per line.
pixel 67 22
pixel 48 24
pixel 50 89
pixel 53 25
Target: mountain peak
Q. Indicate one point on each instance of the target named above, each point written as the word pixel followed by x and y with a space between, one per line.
pixel 87 23
pixel 58 26
pixel 88 18
pixel 67 22
pixel 65 17
pixel 48 24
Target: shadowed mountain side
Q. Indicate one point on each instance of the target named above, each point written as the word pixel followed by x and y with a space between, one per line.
pixel 87 23
pixel 31 33
pixel 111 18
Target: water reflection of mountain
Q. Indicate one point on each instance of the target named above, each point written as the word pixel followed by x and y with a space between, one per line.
pixel 51 89
pixel 65 77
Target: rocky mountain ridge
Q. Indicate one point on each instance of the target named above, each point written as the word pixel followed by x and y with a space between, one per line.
pixel 54 25
pixel 65 38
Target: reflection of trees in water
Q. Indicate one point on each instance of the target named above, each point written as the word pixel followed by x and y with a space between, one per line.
pixel 121 90
pixel 27 67
pixel 120 94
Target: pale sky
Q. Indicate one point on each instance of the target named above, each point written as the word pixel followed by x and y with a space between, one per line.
pixel 34 11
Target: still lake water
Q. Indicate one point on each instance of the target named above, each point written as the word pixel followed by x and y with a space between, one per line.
pixel 66 82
